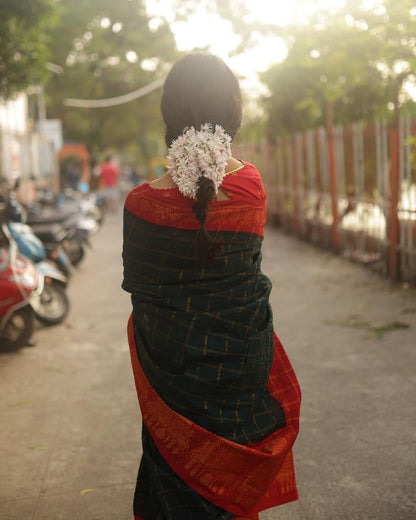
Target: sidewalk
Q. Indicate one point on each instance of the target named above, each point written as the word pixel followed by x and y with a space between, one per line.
pixel 70 420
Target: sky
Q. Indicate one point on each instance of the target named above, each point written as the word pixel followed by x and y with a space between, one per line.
pixel 204 29
pixel 212 31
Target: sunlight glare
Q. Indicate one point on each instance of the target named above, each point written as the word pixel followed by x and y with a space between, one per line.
pixel 105 23
pixel 132 57
pixel 269 50
pixel 206 30
pixel 210 31
pixel 280 12
pixel 150 64
pixel 117 27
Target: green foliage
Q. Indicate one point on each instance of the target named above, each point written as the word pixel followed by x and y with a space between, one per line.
pixel 24 43
pixel 355 59
pixel 252 130
pixel 107 49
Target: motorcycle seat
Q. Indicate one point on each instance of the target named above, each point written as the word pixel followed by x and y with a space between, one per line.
pixel 49 232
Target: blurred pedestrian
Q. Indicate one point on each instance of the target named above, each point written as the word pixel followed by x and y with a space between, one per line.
pixel 110 175
pixel 95 175
pixel 135 175
pixel 72 175
pixel 219 398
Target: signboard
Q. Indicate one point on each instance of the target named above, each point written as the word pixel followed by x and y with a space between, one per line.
pixel 52 129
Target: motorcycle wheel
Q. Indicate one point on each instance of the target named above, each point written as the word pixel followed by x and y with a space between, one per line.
pixel 52 305
pixel 18 330
pixel 75 253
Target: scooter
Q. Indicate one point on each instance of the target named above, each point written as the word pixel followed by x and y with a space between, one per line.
pixel 20 283
pixel 30 245
pixel 90 206
pixel 75 228
pixel 51 255
pixel 52 306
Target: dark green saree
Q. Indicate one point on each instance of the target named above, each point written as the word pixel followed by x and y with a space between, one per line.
pixel 203 342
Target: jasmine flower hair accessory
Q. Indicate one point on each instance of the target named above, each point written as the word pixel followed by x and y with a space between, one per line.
pixel 199 153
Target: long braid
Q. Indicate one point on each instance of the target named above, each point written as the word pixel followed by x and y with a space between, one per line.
pixel 206 246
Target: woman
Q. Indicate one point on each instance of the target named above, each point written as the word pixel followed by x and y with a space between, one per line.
pixel 219 398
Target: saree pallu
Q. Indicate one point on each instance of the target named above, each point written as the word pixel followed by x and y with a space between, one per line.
pixel 219 398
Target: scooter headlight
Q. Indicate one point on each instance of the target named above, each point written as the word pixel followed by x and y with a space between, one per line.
pixel 28 278
pixel 26 274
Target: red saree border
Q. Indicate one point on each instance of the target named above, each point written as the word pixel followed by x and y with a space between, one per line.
pixel 232 217
pixel 245 211
pixel 241 479
pixel 255 517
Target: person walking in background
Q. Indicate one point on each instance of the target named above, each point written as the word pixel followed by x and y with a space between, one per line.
pixel 110 174
pixel 72 174
pixel 95 175
pixel 219 398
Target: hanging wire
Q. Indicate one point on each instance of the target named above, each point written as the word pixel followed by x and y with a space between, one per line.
pixel 119 100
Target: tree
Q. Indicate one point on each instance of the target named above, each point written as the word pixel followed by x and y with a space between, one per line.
pixel 355 60
pixel 325 66
pixel 106 49
pixel 24 43
pixel 392 25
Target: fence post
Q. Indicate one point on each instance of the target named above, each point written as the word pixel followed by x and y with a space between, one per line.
pixel 333 177
pixel 1 158
pixel 295 184
pixel 271 183
pixel 394 200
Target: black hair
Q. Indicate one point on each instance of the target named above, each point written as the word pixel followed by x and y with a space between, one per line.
pixel 200 89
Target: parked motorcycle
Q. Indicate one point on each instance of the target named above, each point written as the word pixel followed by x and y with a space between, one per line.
pixel 75 227
pixel 50 254
pixel 29 243
pixel 91 205
pixel 52 305
pixel 63 235
pixel 20 284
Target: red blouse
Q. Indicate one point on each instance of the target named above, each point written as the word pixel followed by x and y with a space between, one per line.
pixel 245 210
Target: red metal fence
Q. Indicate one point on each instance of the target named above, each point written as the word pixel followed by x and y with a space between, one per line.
pixel 351 189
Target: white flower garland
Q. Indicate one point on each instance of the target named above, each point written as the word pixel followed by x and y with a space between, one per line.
pixel 199 153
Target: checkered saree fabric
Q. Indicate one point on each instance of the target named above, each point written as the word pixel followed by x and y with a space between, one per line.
pixel 204 335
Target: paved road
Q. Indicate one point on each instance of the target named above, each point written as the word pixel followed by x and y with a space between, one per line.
pixel 70 422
